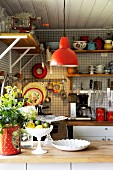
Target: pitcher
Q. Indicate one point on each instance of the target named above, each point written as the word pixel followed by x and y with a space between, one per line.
pixel 108 45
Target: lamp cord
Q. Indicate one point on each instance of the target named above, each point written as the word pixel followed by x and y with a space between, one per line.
pixel 64 18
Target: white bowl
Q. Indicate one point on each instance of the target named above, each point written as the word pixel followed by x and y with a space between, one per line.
pixel 71 144
pixel 79 45
pixel 39 132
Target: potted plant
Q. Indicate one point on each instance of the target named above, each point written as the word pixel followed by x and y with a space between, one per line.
pixel 12 119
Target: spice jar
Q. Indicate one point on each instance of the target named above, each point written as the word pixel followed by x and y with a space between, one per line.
pixel 100 114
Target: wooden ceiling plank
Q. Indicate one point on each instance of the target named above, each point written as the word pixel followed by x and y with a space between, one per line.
pixel 97 11
pixel 106 14
pixel 83 15
pixel 79 13
pixel 74 10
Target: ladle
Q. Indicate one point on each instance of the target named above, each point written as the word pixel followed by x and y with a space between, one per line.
pixel 63 93
pixel 48 98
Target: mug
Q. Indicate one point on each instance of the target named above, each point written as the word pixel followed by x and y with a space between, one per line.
pixel 92 45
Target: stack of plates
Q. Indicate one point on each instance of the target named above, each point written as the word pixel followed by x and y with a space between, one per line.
pixel 71 144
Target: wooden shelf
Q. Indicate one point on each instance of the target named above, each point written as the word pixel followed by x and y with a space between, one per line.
pixel 89 75
pixel 30 41
pixel 93 51
pixel 90 51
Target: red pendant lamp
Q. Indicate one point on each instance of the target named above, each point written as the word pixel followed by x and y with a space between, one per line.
pixel 64 56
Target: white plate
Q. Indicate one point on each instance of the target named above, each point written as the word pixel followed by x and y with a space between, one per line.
pixel 51 118
pixel 71 144
pixel 34 91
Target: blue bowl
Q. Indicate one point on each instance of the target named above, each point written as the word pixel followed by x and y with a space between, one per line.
pixel 52 45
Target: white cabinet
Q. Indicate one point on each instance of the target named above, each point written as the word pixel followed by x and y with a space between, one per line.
pixel 92 166
pixel 93 132
pixel 48 166
pixel 12 166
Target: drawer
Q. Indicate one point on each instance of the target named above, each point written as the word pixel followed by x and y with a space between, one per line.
pixel 92 131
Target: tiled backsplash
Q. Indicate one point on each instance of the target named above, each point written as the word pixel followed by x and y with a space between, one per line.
pixel 85 59
pixel 57 106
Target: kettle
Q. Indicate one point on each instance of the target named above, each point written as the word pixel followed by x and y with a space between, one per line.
pixel 91 45
pixel 100 43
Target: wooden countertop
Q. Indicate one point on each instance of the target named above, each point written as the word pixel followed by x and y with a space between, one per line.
pixel 88 123
pixel 98 151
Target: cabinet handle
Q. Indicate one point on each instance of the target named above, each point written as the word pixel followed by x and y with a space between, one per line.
pixel 103 138
pixel 106 128
pixel 108 139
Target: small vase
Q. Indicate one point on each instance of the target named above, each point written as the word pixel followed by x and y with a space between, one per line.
pixel 10 141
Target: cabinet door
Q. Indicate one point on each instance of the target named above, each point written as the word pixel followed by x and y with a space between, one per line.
pixel 48 166
pixel 90 138
pixel 92 166
pixel 109 138
pixel 108 130
pixel 12 166
pixel 97 131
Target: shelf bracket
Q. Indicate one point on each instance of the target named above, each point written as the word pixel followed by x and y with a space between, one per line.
pixel 28 62
pixel 11 45
pixel 22 55
pixel 9 48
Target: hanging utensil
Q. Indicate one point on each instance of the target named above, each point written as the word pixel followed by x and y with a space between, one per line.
pixel 57 87
pixel 90 91
pixel 4 84
pixel 97 91
pixel 50 85
pixel 109 92
pixel 48 98
pixel 63 93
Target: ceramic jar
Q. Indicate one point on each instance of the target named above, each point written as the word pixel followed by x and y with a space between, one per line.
pixel 108 45
pixel 72 70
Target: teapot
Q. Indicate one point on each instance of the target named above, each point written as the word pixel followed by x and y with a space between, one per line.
pixel 100 43
pixel 91 45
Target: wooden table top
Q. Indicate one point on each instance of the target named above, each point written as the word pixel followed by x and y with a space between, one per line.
pixel 98 151
pixel 88 123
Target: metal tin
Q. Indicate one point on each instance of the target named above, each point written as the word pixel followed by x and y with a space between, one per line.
pixel 100 114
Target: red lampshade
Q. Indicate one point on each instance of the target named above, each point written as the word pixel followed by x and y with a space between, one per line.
pixel 64 56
